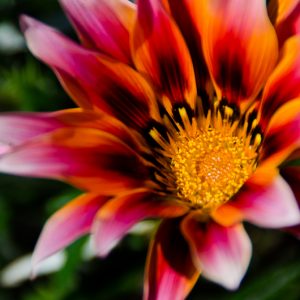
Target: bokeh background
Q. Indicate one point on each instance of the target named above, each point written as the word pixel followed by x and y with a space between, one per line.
pixel 25 205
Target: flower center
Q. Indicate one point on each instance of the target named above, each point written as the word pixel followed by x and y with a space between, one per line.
pixel 211 166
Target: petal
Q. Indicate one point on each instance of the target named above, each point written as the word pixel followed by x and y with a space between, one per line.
pixel 186 15
pixel 109 85
pixel 239 45
pixel 119 215
pixel 87 158
pixel 103 25
pixel 284 83
pixel 222 253
pixel 279 10
pixel 66 225
pixel 170 68
pixel 16 128
pixel 101 121
pixel 271 206
pixel 283 135
pixel 286 16
pixel 170 272
pixel 292 175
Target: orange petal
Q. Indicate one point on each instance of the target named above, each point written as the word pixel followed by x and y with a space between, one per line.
pixel 103 25
pixel 170 272
pixel 285 14
pixel 239 45
pixel 283 135
pixel 227 215
pixel 90 119
pixel 279 10
pixel 186 15
pixel 88 158
pixel 284 83
pixel 160 52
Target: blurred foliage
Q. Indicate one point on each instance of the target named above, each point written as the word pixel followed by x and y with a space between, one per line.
pixel 25 204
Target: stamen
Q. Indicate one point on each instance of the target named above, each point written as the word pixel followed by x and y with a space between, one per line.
pixel 211 167
pixel 206 159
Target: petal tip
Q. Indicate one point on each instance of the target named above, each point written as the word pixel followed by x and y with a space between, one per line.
pixel 26 22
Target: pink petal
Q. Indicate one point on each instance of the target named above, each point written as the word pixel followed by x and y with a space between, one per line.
pixel 108 85
pixel 88 158
pixel 170 272
pixel 66 225
pixel 16 128
pixel 103 25
pixel 272 206
pixel 119 215
pixel 222 253
pixel 292 175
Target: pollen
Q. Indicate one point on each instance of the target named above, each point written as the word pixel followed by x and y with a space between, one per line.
pixel 211 166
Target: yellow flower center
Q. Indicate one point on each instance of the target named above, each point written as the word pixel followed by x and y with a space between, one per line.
pixel 211 167
pixel 205 159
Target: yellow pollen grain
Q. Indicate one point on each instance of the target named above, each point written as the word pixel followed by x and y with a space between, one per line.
pixel 211 167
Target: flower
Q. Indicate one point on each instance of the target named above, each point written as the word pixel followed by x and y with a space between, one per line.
pixel 189 112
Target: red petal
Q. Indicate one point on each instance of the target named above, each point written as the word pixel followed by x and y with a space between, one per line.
pixel 239 45
pixel 283 135
pixel 18 128
pixel 284 83
pixel 222 253
pixel 119 215
pixel 111 86
pixel 87 158
pixel 286 16
pixel 186 15
pixel 103 25
pixel 68 224
pixel 170 272
pixel 160 52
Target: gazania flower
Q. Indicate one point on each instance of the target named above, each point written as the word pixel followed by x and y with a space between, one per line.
pixel 189 111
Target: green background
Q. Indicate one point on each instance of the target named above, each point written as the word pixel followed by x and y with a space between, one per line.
pixel 25 205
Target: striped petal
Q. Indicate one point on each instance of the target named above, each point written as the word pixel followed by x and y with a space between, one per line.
pixel 292 175
pixel 239 45
pixel 65 226
pixel 87 158
pixel 186 15
pixel 222 253
pixel 121 213
pixel 17 128
pixel 283 135
pixel 109 85
pixel 103 25
pixel 272 206
pixel 285 15
pixel 170 272
pixel 169 67
pixel 284 83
